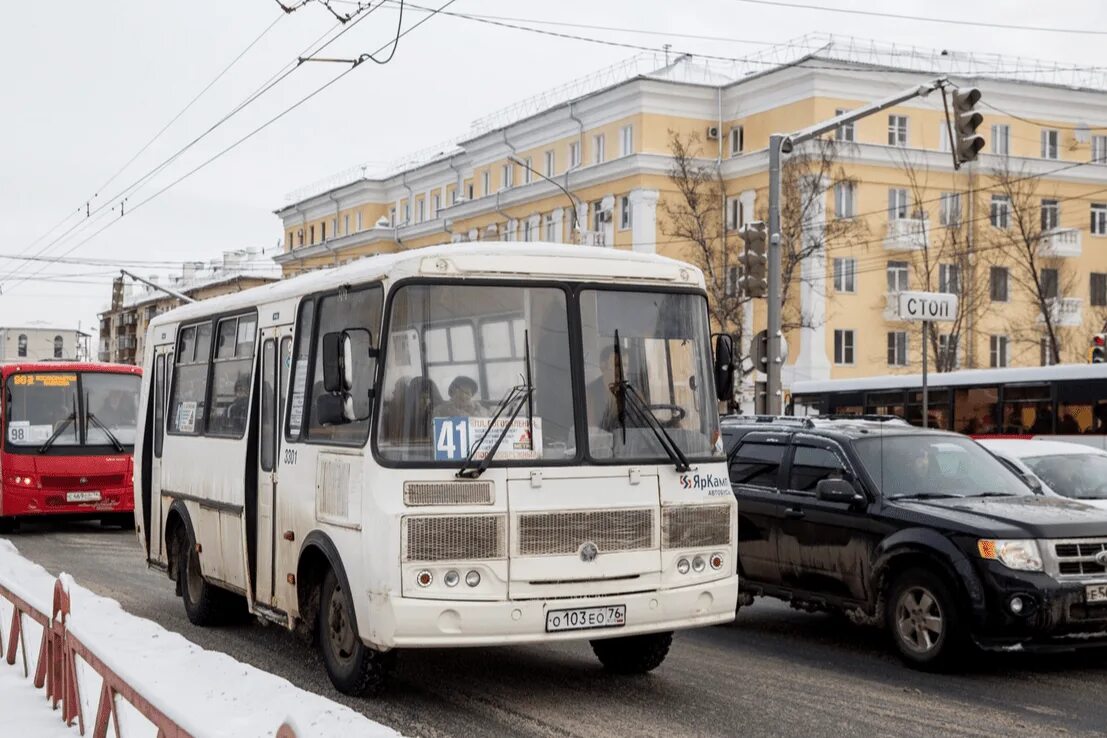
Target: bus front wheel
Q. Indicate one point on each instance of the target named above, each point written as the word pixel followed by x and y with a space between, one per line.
pixel 354 668
pixel 633 654
pixel 205 604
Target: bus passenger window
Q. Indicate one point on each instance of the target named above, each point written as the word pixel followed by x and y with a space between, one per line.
pixel 231 373
pixel 975 410
pixel 190 380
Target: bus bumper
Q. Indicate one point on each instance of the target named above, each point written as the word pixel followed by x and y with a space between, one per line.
pixel 17 502
pixel 404 622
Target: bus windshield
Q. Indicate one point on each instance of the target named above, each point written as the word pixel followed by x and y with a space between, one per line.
pixel 70 409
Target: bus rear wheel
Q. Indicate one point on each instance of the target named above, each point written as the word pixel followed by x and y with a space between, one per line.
pixel 354 668
pixel 638 654
pixel 205 604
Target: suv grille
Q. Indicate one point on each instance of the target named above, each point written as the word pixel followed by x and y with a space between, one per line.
pixel 561 534
pixel 1077 558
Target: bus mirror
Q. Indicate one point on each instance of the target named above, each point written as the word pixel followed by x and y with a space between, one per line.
pixel 724 366
pixel 331 409
pixel 338 362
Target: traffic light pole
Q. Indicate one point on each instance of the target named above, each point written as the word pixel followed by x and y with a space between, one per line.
pixel 780 144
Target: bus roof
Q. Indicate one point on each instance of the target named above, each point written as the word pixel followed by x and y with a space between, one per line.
pixel 12 367
pixel 499 259
pixel 962 378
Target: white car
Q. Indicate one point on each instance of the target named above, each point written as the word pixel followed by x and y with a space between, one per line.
pixel 1067 469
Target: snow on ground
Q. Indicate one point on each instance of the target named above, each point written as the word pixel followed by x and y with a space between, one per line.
pixel 206 692
pixel 24 710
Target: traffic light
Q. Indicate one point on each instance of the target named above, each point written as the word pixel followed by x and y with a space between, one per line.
pixel 966 119
pixel 1099 348
pixel 755 262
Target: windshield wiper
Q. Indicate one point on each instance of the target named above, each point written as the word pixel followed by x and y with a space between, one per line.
pixel 924 496
pixel 520 396
pixel 644 414
pixel 996 494
pixel 61 429
pixel 107 432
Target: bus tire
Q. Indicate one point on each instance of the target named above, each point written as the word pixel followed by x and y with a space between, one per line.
pixel 638 654
pixel 205 604
pixel 354 668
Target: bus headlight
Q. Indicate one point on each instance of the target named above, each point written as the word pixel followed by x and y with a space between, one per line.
pixel 698 564
pixel 451 578
pixel 683 566
pixel 472 578
pixel 424 578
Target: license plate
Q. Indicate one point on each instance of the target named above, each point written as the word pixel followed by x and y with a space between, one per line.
pixel 1095 593
pixel 82 496
pixel 584 618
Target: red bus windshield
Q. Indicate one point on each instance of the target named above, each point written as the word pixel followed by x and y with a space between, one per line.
pixel 56 411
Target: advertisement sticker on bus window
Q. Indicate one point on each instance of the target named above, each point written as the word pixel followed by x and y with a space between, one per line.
pixel 454 436
pixel 299 384
pixel 186 417
pixel 22 432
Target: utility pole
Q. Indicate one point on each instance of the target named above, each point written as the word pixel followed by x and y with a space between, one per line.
pixel 780 144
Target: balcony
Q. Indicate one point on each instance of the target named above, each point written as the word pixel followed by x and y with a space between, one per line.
pixel 1060 243
pixel 907 234
pixel 1065 311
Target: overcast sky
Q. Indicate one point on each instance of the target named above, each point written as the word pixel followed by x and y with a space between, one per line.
pixel 87 84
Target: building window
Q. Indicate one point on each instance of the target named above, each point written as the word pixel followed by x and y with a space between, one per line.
pixel 507 176
pixel 549 227
pixel 291 240
pixel 843 346
pixel 597 216
pixel 550 162
pixel 1099 149
pixel 950 208
pixel 1001 139
pixel 1050 283
pixel 737 140
pixel 734 215
pixel 407 213
pixel 897 130
pixel 897 348
pixel 311 231
pixel 624 212
pixel 469 191
pixel 486 182
pixel 323 231
pixel 21 346
pixel 59 347
pixel 843 200
pixel 1099 289
pixel 1099 219
pixel 949 278
pixel 1045 353
pixel 845 274
pixel 436 205
pixel 1050 143
pixel 420 211
pixel 626 140
pixel 1001 211
pixel 1051 215
pixel 997 351
pixel 997 287
pixel 574 154
pixel 897 276
pixel 897 203
pixel 526 230
pixel 731 286
pixel 346 224
pixel 598 145
pixel 528 170
pixel 844 132
pixel 358 219
pixel 948 353
pixel 392 217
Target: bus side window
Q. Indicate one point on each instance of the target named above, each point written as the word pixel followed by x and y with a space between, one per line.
pixel 190 380
pixel 1081 408
pixel 159 404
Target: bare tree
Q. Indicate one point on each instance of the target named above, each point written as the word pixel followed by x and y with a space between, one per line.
pixel 1021 242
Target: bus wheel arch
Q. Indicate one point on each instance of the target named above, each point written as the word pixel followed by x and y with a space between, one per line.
pixel 318 554
pixel 178 532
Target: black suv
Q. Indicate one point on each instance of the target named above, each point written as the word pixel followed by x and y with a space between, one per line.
pixel 922 530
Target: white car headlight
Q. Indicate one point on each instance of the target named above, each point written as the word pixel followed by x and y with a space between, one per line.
pixel 1021 555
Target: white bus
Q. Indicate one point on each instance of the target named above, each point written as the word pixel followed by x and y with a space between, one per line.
pixel 464 445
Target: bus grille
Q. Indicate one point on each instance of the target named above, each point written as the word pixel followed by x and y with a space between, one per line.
pixel 695 526
pixel 560 534
pixel 454 537
pixel 1078 558
pixel 76 482
pixel 447 493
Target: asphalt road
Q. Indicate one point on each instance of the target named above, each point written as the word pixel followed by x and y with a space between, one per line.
pixel 774 672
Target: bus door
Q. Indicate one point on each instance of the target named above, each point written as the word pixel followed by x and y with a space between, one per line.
pixel 276 358
pixel 156 505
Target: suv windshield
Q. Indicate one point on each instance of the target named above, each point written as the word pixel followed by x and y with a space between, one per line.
pixel 935 465
pixel 82 409
pixel 1083 476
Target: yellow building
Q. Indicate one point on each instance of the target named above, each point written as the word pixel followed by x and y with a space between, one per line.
pixel 1020 232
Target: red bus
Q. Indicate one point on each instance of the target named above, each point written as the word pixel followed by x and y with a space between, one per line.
pixel 68 433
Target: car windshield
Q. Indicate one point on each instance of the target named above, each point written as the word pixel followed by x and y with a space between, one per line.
pixel 73 409
pixel 936 466
pixel 1083 476
pixel 660 357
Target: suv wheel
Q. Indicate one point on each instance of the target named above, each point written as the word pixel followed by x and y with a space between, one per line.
pixel 922 615
pixel 633 654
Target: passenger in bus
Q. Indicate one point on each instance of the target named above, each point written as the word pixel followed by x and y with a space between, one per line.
pixel 462 392
pixel 1069 426
pixel 240 405
pixel 117 410
pixel 422 398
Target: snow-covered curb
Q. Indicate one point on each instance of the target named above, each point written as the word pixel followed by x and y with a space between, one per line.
pixel 205 692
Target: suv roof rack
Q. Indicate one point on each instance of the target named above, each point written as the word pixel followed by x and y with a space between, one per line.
pixel 805 422
pixel 873 417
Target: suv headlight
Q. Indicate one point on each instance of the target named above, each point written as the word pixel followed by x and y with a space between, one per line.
pixel 1021 555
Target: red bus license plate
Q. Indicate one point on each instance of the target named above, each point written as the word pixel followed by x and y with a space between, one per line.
pixel 583 618
pixel 82 496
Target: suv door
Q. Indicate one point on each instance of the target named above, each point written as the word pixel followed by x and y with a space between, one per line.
pixel 755 474
pixel 825 547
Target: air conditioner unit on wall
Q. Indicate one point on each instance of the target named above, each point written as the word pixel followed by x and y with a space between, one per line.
pixel 712 133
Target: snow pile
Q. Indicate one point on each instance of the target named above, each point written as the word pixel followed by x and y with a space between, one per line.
pixel 205 692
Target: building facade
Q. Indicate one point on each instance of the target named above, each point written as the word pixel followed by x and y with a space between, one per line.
pixel 123 325
pixel 1020 235
pixel 39 342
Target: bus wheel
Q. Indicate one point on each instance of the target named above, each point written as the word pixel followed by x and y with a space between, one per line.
pixel 633 654
pixel 203 602
pixel 354 668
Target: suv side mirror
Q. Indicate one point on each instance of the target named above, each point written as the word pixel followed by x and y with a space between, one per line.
pixel 838 490
pixel 724 366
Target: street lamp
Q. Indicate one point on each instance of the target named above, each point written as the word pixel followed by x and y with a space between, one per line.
pixel 554 182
